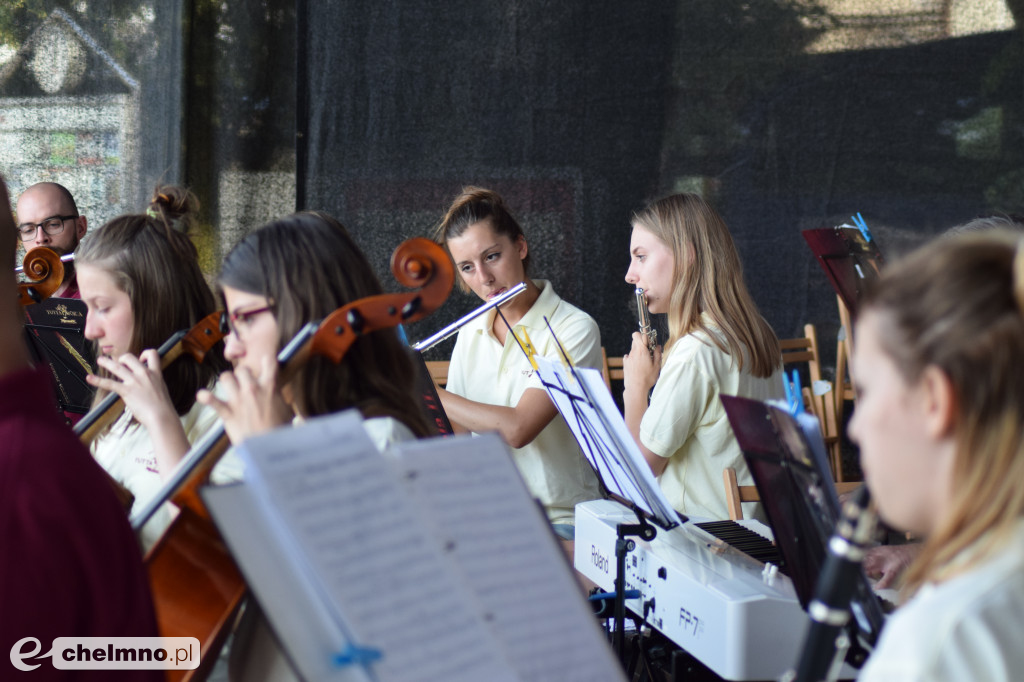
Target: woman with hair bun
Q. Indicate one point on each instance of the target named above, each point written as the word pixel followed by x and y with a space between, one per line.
pixel 491 385
pixel 938 365
pixel 140 279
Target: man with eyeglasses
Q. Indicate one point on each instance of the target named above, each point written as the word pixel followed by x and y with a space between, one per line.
pixel 48 216
pixel 70 565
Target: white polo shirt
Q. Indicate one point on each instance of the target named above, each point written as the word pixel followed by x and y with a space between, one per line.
pixel 687 424
pixel 967 628
pixel 126 452
pixel 485 371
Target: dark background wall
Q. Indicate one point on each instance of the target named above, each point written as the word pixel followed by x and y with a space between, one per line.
pixel 558 106
pixel 579 113
pixel 787 114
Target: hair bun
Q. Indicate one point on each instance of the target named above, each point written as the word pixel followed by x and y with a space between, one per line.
pixel 177 206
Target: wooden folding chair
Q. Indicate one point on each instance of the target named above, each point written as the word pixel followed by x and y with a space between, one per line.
pixel 844 350
pixel 736 494
pixel 805 350
pixel 613 368
pixel 439 371
pixel 605 372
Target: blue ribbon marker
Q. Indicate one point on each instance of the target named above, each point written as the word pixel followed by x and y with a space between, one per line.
pixel 357 655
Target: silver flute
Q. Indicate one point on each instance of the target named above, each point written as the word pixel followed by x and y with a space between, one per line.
pixel 650 333
pixel 440 336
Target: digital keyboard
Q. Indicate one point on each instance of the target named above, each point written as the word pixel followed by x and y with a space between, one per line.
pixel 737 615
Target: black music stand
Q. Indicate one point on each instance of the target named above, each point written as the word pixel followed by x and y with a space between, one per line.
pixel 796 489
pixel 583 400
pixel 55 335
pixel 585 403
pixel 849 257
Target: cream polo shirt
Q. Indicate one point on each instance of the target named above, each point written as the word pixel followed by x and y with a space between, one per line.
pixel 686 423
pixel 126 452
pixel 967 628
pixel 485 371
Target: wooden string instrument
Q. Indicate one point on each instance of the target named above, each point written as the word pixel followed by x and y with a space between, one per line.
pixel 45 271
pixel 197 588
pixel 195 342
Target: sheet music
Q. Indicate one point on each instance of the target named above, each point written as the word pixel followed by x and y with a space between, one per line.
pixel 502 544
pixel 301 620
pixel 811 428
pixel 595 421
pixel 345 516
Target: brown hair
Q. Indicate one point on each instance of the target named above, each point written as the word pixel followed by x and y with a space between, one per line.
pixel 708 279
pixel 307 265
pixel 153 260
pixel 474 205
pixel 956 304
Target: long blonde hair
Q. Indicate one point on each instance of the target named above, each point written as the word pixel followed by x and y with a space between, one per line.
pixel 957 304
pixel 708 279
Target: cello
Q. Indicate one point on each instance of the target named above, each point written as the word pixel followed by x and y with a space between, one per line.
pixel 195 342
pixel 197 588
pixel 45 270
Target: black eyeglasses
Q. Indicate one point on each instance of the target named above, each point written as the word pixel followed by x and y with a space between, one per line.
pixel 51 226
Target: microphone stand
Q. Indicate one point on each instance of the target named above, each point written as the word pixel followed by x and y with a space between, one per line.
pixel 623 546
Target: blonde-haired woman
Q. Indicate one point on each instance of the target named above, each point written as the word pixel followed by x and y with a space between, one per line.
pixel 939 370
pixel 682 255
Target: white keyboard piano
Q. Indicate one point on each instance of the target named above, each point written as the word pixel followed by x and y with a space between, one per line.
pixel 732 612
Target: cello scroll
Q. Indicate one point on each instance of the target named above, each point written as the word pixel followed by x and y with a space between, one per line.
pixel 45 269
pixel 417 262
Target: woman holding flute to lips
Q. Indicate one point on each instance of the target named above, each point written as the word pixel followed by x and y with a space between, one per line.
pixel 682 256
pixel 491 384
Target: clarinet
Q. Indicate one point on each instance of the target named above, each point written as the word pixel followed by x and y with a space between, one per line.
pixel 650 334
pixel 824 646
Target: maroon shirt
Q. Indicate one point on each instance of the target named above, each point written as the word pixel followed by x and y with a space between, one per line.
pixel 72 290
pixel 70 565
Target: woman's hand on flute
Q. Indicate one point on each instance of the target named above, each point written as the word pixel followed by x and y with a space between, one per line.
pixel 640 367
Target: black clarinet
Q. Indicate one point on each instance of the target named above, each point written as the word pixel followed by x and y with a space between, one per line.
pixel 822 652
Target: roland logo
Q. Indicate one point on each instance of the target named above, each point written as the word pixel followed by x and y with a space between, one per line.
pixel 598 559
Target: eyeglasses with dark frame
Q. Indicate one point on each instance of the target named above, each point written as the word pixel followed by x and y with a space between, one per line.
pixel 51 226
pixel 230 322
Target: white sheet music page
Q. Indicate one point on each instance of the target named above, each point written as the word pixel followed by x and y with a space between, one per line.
pixel 598 426
pixel 500 540
pixel 358 536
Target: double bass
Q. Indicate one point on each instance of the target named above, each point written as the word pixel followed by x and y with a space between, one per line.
pixel 197 588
